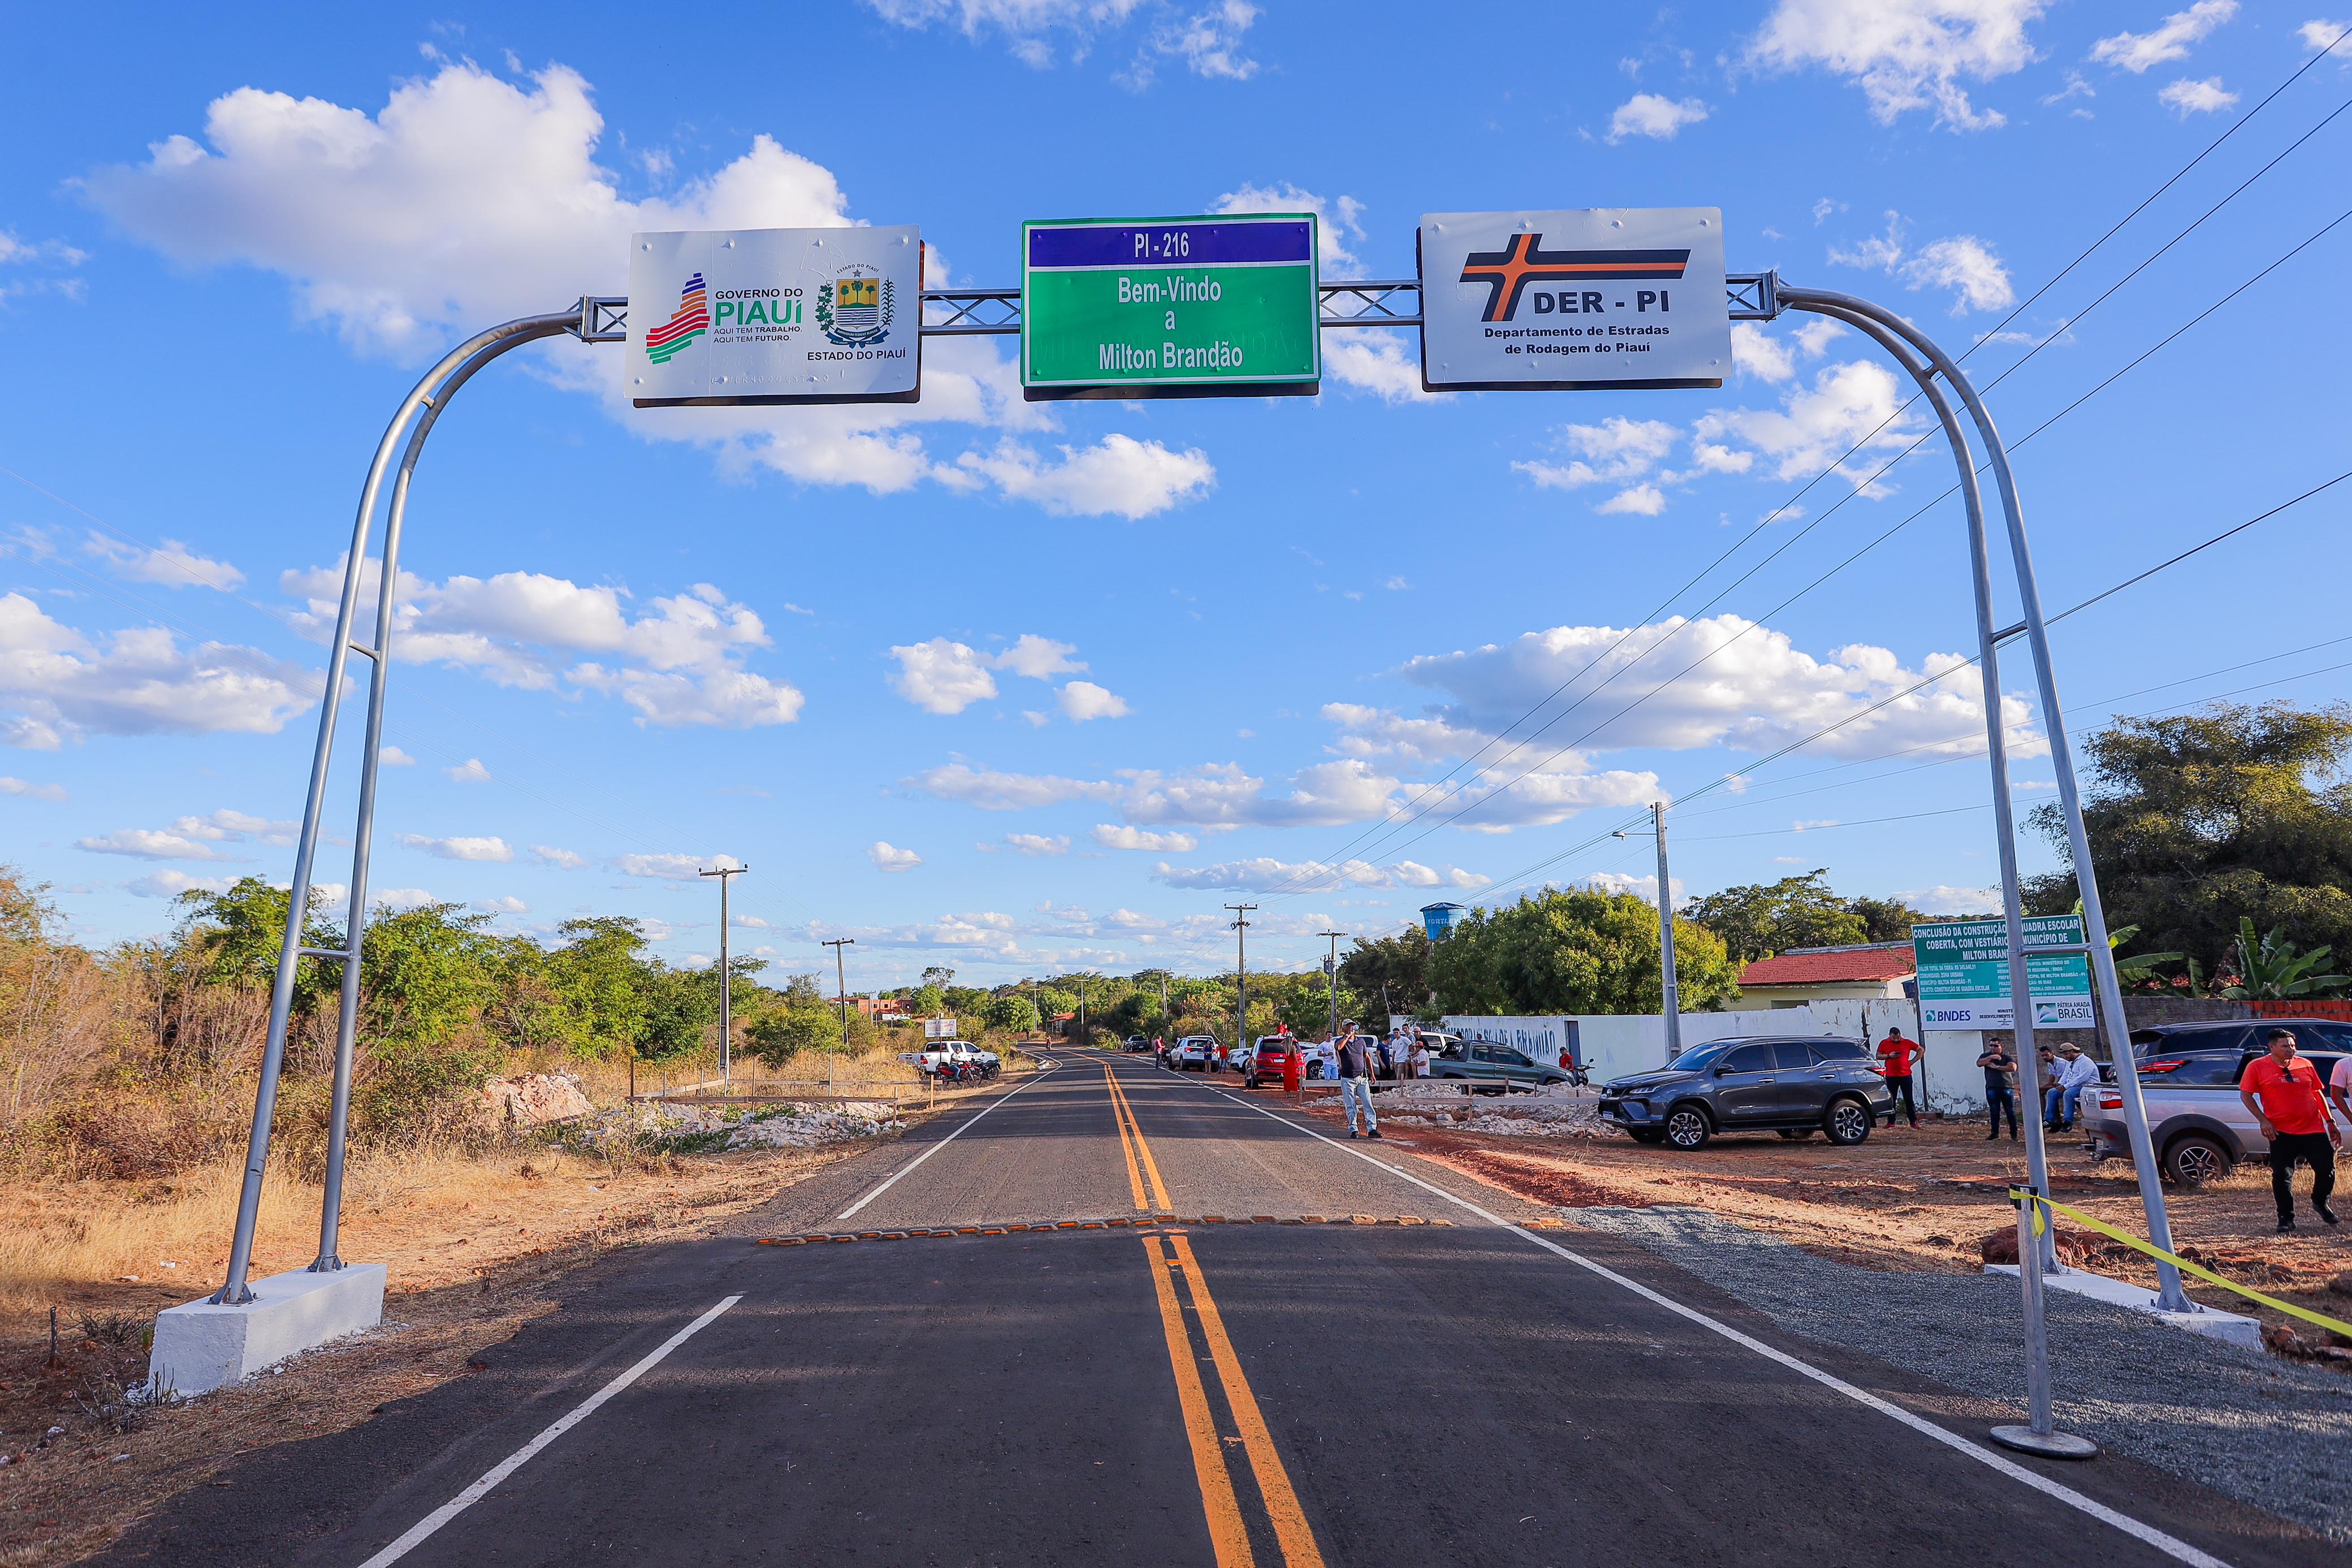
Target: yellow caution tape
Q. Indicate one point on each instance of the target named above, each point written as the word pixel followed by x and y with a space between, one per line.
pixel 2018 1195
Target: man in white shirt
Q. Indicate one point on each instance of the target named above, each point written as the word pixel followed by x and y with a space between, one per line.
pixel 2073 1074
pixel 1327 1053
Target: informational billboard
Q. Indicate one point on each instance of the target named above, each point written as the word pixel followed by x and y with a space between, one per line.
pixel 1610 296
pixel 938 1029
pixel 723 318
pixel 1198 306
pixel 1964 974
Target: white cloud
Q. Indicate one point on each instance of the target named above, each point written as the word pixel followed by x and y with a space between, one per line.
pixel 886 857
pixel 505 904
pixel 1082 700
pixel 31 791
pixel 1115 836
pixel 1337 218
pixel 1039 658
pixel 1962 262
pixel 1637 500
pixel 1942 899
pixel 392 756
pixel 469 771
pixel 548 854
pixel 1644 888
pixel 1967 266
pixel 57 683
pixel 1263 874
pixel 1766 356
pixel 150 844
pixel 192 838
pixel 401 898
pixel 1214 795
pixel 1754 690
pixel 1036 720
pixel 2336 37
pixel 670 867
pixel 1905 54
pixel 941 676
pixel 460 849
pixel 1037 844
pixel 1648 114
pixel 172 883
pixel 2171 40
pixel 175 565
pixel 681 658
pixel 1816 425
pixel 395 228
pixel 1118 476
pixel 2186 97
pixel 1209 42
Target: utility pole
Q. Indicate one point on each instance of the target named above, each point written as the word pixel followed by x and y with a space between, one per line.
pixel 1671 993
pixel 1241 969
pixel 1331 979
pixel 1082 1010
pixel 1163 999
pixel 726 981
pixel 841 988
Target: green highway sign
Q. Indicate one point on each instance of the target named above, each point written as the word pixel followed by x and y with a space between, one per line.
pixel 1203 306
pixel 1964 974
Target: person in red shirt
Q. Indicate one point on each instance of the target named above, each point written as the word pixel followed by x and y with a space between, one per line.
pixel 1896 1055
pixel 2282 1090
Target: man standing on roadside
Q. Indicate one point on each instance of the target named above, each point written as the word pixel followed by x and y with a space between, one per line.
pixel 1355 1081
pixel 1895 1054
pixel 1998 1065
pixel 2340 1088
pixel 2283 1092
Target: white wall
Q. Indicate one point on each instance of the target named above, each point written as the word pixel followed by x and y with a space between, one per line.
pixel 1616 1044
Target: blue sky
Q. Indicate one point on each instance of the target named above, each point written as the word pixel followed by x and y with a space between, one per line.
pixel 1012 686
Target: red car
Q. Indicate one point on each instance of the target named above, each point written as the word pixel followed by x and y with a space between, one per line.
pixel 1271 1058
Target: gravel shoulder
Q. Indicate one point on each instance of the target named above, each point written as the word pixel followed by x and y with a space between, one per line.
pixel 2266 1431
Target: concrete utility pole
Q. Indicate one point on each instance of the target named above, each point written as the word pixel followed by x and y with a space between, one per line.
pixel 726 981
pixel 841 988
pixel 1241 969
pixel 1670 994
pixel 1331 979
pixel 1082 1009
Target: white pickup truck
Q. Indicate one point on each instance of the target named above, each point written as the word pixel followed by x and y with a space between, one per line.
pixel 939 1053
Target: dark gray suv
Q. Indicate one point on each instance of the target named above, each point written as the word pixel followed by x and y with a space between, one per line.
pixel 1792 1086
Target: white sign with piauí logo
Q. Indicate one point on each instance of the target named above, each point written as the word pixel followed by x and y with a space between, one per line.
pixel 1610 297
pixel 724 318
pixel 1964 974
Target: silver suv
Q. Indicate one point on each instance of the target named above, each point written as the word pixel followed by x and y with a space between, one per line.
pixel 2189 1076
pixel 1795 1087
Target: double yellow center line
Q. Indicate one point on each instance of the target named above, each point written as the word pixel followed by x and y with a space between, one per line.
pixel 1131 1144
pixel 1174 1263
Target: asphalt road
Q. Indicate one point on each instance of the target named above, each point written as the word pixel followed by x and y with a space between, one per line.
pixel 1440 1386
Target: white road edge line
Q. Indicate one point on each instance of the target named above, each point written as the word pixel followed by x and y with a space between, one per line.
pixel 2171 1546
pixel 418 1532
pixel 935 1148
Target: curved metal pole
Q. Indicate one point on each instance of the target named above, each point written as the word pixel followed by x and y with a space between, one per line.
pixel 512 336
pixel 234 1291
pixel 2170 1296
pixel 2020 996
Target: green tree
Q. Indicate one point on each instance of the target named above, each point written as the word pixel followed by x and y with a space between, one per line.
pixel 1395 967
pixel 679 1006
pixel 2270 966
pixel 1887 919
pixel 603 973
pixel 775 1037
pixel 235 937
pixel 1012 1011
pixel 2200 821
pixel 1576 951
pixel 1764 918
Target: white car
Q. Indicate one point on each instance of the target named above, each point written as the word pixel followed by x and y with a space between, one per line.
pixel 1194 1053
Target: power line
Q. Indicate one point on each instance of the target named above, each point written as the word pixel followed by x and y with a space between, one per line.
pixel 1409 808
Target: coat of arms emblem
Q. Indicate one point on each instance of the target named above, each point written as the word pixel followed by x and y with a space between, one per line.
pixel 854 309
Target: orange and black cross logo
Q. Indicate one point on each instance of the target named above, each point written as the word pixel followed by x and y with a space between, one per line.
pixel 1508 272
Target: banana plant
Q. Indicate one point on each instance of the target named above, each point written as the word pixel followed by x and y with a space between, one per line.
pixel 2270 966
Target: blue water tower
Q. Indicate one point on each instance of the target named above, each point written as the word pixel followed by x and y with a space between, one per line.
pixel 1439 919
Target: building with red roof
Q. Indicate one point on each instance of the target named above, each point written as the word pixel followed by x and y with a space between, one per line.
pixel 1873 971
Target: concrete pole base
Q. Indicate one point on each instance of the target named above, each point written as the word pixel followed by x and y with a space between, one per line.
pixel 2045 1444
pixel 199 1346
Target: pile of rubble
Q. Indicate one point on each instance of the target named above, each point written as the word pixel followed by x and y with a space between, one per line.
pixel 806 1126
pixel 1556 1112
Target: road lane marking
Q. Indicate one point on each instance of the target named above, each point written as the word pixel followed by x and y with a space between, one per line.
pixel 1143 1145
pixel 1126 1147
pixel 2171 1546
pixel 418 1532
pixel 1291 1530
pixel 934 1149
pixel 1226 1533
